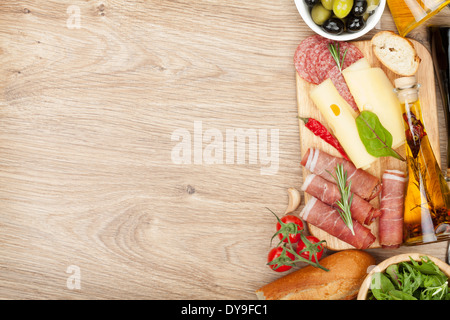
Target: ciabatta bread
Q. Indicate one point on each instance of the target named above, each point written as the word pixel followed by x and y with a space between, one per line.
pixel 348 270
pixel 396 53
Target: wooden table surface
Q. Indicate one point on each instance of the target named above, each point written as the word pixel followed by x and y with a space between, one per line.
pixel 116 178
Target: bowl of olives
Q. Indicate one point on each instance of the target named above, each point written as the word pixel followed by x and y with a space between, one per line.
pixel 341 20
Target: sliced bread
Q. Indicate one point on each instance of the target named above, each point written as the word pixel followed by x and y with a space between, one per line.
pixel 396 53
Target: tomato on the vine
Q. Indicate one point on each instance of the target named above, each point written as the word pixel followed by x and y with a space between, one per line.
pixel 289 228
pixel 280 260
pixel 315 248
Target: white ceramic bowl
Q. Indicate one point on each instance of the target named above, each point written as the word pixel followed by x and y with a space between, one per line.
pixel 304 11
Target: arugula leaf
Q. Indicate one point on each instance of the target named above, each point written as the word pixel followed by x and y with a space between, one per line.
pixel 410 281
pixel 435 293
pixel 393 273
pixel 375 138
pixel 400 295
pixel 381 286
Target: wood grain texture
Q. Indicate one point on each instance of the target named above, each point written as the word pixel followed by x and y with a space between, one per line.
pixel 306 108
pixel 86 118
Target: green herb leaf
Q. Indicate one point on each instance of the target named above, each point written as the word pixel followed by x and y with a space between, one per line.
pixel 375 138
pixel 344 204
pixel 335 51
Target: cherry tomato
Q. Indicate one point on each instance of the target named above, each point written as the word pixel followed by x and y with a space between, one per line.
pixel 289 228
pixel 313 245
pixel 281 259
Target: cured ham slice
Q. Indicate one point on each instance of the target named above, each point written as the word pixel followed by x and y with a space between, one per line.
pixel 328 192
pixel 322 164
pixel 328 219
pixel 391 206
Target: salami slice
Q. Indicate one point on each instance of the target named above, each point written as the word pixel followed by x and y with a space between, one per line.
pixel 328 219
pixel 391 206
pixel 341 86
pixel 303 55
pixel 328 192
pixel 353 54
pixel 321 163
pixel 322 60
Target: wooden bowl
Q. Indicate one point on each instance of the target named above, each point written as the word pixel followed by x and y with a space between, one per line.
pixel 362 294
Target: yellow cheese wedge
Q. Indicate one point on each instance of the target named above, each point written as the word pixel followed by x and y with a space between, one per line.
pixel 340 117
pixel 373 91
pixel 358 65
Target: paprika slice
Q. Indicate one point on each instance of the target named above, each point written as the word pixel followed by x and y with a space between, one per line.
pixel 322 132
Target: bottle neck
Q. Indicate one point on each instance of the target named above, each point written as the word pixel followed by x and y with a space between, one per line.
pixel 408 95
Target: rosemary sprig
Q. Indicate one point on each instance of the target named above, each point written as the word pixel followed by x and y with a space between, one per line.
pixel 335 50
pixel 345 202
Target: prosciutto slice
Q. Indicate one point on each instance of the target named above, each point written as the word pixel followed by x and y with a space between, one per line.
pixel 321 163
pixel 391 206
pixel 328 192
pixel 328 219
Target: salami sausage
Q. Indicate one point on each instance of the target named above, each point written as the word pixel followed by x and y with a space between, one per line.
pixel 391 206
pixel 328 219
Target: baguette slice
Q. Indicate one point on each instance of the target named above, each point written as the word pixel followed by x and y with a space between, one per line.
pixel 396 53
pixel 347 271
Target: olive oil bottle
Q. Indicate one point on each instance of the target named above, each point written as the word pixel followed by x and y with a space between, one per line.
pixel 409 14
pixel 427 199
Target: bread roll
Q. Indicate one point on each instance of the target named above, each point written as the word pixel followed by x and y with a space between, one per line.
pixel 347 271
pixel 396 53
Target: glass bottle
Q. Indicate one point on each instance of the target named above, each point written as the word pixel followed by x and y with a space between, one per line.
pixel 409 14
pixel 439 37
pixel 427 199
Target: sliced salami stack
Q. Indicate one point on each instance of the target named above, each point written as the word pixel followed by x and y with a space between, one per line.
pixel 314 63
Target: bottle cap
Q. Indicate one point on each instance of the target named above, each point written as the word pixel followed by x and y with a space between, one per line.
pixel 405 82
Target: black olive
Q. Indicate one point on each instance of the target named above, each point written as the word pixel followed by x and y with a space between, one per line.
pixel 334 26
pixel 311 3
pixel 354 24
pixel 359 7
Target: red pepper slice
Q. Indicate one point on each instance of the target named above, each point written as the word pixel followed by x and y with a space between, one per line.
pixel 321 131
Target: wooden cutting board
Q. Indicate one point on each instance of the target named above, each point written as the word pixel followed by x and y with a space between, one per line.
pixel 306 108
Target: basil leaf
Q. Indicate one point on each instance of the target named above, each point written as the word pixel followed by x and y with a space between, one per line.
pixel 375 138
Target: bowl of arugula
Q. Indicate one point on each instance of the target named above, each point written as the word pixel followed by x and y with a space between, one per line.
pixel 411 276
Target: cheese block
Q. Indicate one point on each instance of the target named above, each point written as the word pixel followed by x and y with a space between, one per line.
pixel 373 91
pixel 340 117
pixel 358 65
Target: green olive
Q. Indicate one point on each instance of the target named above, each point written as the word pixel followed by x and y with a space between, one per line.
pixel 319 14
pixel 327 4
pixel 342 8
pixel 372 5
